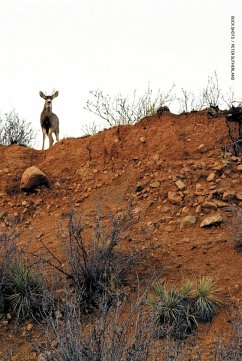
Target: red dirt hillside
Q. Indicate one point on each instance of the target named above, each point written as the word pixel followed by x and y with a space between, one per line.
pixel 178 163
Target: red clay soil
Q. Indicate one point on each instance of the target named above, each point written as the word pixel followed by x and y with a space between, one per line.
pixel 105 169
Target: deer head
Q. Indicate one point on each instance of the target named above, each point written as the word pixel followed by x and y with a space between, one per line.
pixel 48 99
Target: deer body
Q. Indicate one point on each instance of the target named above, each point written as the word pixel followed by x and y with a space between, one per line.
pixel 48 120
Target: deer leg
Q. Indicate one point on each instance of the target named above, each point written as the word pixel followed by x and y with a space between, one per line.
pixel 44 134
pixel 51 140
pixel 57 135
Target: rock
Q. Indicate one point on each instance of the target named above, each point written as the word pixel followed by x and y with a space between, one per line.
pixel 228 195
pixel 198 209
pixel 142 139
pixel 180 185
pixel 139 187
pixel 136 212
pixel 188 221
pixel 199 187
pixel 212 221
pixel 174 198
pixel 211 177
pixel 220 203
pixel 9 316
pixel 44 356
pixel 38 202
pixel 156 157
pixel 58 315
pixel 155 185
pixel 29 327
pixel 239 196
pixel 239 168
pixel 33 177
pixel 219 167
pixel 32 356
pixel 185 210
pixel 39 235
pixel 184 170
pixel 201 148
pixel 209 204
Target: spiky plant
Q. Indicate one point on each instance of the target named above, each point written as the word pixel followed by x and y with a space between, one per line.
pixel 187 289
pixel 171 311
pixel 168 306
pixel 157 293
pixel 207 299
pixel 25 292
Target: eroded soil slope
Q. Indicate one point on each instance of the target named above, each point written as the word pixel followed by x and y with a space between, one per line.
pixel 168 168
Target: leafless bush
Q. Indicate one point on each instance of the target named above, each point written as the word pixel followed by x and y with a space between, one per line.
pixel 90 129
pixel 95 268
pixel 230 348
pixel 212 94
pixel 237 232
pixel 187 101
pixel 121 334
pixel 107 338
pixel 14 130
pixel 230 99
pixel 124 110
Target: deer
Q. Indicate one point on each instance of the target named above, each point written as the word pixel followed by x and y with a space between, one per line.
pixel 48 120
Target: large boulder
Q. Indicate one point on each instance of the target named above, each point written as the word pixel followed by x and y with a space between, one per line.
pixel 33 177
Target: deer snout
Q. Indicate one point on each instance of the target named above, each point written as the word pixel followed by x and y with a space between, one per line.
pixel 48 103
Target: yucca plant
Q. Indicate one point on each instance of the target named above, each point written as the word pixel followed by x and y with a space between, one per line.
pixel 171 311
pixel 177 311
pixel 25 292
pixel 188 289
pixel 169 306
pixel 207 299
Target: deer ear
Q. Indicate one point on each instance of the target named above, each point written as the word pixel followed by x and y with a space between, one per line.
pixel 55 94
pixel 42 95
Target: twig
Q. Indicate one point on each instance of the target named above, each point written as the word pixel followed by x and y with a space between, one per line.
pixel 68 275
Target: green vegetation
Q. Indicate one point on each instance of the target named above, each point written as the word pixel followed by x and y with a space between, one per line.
pixel 177 311
pixel 117 329
pixel 24 292
pixel 22 289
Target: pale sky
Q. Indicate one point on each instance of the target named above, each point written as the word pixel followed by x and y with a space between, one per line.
pixel 117 46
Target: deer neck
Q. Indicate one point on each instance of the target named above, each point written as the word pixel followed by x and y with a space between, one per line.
pixel 47 109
